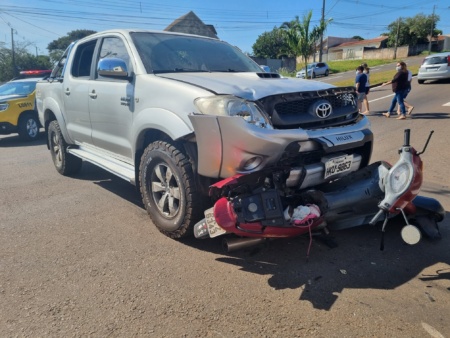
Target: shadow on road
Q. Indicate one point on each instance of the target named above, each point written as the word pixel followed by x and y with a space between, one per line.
pixel 357 262
pixel 110 182
pixel 414 116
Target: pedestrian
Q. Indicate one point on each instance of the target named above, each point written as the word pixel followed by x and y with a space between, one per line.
pixel 360 86
pixel 366 101
pixel 400 89
pixel 408 107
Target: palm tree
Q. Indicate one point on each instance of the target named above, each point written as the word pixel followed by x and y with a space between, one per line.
pixel 300 39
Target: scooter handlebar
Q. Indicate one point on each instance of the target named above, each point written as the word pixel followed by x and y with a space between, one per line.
pixel 406 139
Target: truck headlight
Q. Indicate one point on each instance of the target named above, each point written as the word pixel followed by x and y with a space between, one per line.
pixel 3 106
pixel 228 105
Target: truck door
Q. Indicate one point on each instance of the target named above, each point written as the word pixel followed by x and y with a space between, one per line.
pixel 75 93
pixel 111 103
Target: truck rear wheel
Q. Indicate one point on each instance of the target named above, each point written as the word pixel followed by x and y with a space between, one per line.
pixel 66 164
pixel 168 189
pixel 28 127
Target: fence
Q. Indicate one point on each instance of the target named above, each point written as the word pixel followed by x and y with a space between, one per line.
pixel 275 64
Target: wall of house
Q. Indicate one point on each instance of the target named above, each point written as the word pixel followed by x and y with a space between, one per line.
pixel 445 44
pixel 386 53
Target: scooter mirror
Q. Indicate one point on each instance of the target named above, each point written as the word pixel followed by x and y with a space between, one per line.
pixel 411 234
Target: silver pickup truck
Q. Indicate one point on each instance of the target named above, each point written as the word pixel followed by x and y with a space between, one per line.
pixel 175 113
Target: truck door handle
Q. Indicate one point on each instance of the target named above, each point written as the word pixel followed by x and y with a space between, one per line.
pixel 93 95
pixel 67 91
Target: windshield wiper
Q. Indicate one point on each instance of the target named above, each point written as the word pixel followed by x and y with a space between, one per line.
pixel 180 70
pixel 229 70
pixel 191 70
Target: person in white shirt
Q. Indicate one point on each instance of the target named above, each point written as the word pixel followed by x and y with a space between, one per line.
pixel 366 101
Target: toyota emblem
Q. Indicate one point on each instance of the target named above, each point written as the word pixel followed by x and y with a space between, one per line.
pixel 323 110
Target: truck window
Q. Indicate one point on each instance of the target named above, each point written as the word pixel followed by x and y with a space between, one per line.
pixel 82 62
pixel 113 47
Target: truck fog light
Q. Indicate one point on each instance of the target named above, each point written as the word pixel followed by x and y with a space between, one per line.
pixel 252 163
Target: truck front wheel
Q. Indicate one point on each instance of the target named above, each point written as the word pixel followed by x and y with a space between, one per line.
pixel 168 189
pixel 66 164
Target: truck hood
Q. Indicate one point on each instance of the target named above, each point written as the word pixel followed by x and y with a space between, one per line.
pixel 4 98
pixel 246 85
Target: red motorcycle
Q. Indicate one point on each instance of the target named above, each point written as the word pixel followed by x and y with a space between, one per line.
pixel 260 205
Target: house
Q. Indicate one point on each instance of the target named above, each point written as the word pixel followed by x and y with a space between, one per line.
pixel 355 49
pixel 440 43
pixel 333 41
pixel 191 24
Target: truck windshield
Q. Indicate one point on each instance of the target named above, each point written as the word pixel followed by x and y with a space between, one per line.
pixel 167 53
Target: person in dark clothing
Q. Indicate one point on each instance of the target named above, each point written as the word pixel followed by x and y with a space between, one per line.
pixel 400 86
pixel 360 86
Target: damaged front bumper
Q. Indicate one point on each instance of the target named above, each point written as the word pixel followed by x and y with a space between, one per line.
pixel 228 146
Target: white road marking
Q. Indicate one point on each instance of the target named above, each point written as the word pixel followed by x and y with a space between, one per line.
pixel 431 330
pixel 381 98
pixel 446 104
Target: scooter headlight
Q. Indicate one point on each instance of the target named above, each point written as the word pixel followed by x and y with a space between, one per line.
pixel 400 178
pixel 228 105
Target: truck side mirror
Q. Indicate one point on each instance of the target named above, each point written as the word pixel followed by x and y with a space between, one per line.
pixel 112 67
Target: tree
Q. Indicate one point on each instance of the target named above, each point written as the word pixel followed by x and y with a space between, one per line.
pixel 270 45
pixel 57 47
pixel 412 31
pixel 301 39
pixel 23 61
pixel 357 37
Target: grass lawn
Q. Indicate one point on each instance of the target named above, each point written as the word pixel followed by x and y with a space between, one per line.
pixel 376 77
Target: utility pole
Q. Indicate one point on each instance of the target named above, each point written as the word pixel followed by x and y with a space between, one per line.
pixel 396 38
pixel 321 34
pixel 431 31
pixel 13 56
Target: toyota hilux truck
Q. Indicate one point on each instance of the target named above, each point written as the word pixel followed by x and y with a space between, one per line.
pixel 174 114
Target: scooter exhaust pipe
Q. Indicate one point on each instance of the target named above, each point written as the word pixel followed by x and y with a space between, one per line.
pixel 241 243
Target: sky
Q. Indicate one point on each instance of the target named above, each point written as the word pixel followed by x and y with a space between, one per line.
pixel 36 23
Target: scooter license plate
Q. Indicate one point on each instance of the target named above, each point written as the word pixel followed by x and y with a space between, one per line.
pixel 338 165
pixel 214 229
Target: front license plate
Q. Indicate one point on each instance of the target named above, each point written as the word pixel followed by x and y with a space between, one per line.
pixel 214 229
pixel 338 165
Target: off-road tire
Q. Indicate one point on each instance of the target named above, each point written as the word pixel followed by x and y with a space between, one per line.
pixel 28 127
pixel 168 189
pixel 66 164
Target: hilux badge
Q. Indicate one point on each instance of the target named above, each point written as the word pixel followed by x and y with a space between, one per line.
pixel 323 110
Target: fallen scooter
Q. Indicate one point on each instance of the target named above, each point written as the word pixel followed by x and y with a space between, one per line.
pixel 261 205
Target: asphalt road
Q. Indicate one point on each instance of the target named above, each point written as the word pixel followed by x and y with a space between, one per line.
pixel 79 257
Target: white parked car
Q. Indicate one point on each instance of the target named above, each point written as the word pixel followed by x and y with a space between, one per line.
pixel 317 68
pixel 434 67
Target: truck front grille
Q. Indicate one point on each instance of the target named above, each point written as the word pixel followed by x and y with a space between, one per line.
pixel 298 110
